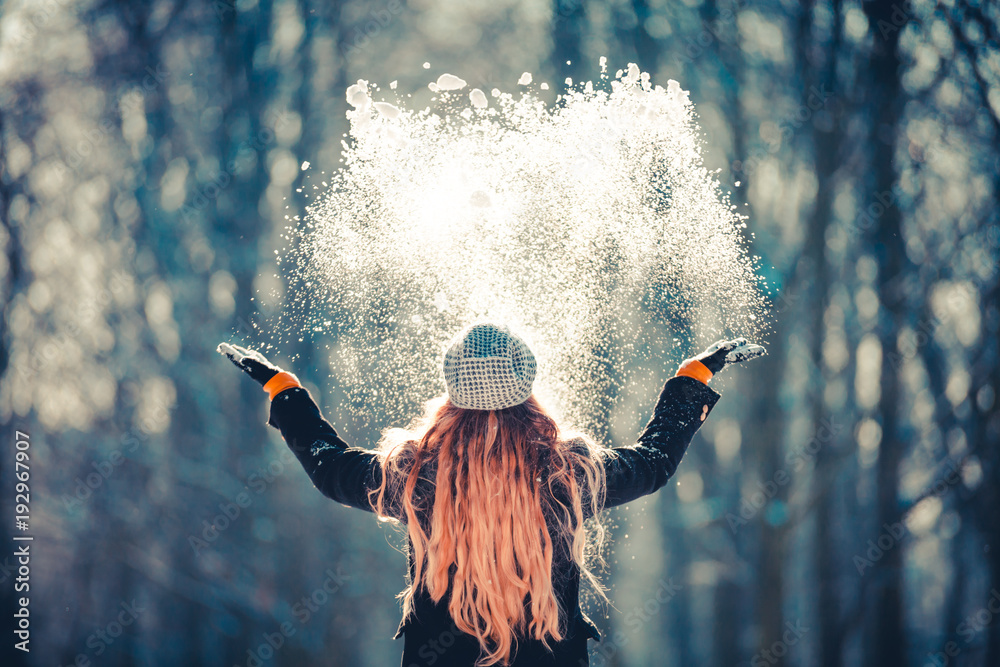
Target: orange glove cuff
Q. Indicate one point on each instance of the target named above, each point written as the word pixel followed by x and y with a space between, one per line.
pixel 693 368
pixel 280 383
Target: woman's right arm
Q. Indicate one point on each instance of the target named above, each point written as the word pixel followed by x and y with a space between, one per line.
pixel 643 468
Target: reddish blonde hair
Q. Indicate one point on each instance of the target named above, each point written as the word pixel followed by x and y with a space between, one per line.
pixel 505 479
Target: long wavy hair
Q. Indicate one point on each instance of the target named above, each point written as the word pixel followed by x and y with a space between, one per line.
pixel 508 487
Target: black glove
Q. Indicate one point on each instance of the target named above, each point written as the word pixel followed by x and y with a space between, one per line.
pixel 250 362
pixel 726 352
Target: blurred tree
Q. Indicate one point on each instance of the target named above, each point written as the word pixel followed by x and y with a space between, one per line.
pixel 820 51
pixel 150 151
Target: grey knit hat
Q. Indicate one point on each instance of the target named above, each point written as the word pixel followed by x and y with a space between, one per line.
pixel 488 367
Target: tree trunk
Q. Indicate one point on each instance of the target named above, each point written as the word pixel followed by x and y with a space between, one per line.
pixel 827 160
pixel 889 646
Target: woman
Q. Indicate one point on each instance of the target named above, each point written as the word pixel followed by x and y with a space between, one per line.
pixel 493 496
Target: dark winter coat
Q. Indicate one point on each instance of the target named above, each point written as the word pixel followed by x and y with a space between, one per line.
pixel 346 474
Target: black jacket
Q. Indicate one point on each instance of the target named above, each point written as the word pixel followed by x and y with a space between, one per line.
pixel 346 474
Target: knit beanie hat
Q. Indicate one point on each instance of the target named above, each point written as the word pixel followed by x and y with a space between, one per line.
pixel 487 367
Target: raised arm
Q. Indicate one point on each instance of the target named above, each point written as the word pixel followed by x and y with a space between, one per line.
pixel 684 403
pixel 340 472
pixel 637 470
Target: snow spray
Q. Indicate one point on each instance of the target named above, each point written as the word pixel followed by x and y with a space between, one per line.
pixel 590 225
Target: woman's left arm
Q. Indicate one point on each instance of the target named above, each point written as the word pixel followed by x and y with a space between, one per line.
pixel 340 472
